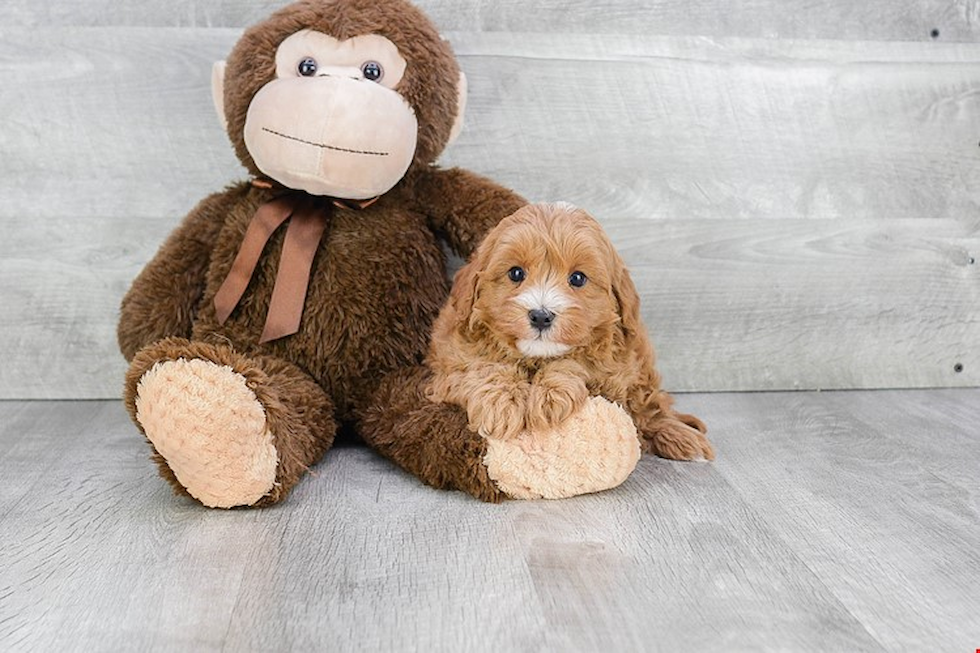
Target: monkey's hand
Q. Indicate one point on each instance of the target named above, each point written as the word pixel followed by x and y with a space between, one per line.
pixel 463 206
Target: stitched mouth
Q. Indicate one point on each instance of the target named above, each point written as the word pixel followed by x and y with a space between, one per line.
pixel 323 145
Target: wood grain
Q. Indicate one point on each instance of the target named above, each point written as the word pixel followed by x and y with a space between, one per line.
pixel 798 214
pixel 628 570
pixel 798 304
pixel 700 128
pixel 110 122
pixel 627 126
pixel 85 564
pixel 744 304
pixel 747 304
pixel 831 521
pixel 62 281
pixel 897 20
pixel 850 482
pixel 933 432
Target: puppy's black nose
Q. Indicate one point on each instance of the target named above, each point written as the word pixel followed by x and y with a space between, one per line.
pixel 541 318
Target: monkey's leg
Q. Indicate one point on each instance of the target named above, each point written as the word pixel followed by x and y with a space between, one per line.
pixel 428 440
pixel 227 429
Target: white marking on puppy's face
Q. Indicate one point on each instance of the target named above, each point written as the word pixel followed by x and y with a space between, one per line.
pixel 543 295
pixel 542 348
pixel 550 298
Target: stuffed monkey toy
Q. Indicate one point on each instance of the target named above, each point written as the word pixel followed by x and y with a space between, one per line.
pixel 267 319
pixel 300 302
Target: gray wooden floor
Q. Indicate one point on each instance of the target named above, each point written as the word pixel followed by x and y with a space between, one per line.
pixel 831 521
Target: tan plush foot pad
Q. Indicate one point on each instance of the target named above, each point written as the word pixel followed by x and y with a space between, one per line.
pixel 594 450
pixel 210 428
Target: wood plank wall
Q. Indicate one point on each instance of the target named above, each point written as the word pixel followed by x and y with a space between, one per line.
pixel 795 185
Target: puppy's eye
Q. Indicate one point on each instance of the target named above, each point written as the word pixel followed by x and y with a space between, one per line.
pixel 577 279
pixel 516 274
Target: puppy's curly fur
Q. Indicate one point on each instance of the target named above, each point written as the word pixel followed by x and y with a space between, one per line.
pixel 543 316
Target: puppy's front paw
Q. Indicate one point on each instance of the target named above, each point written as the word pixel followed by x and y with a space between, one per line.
pixel 672 438
pixel 499 413
pixel 554 400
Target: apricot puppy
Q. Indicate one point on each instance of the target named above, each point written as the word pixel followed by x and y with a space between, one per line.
pixel 544 316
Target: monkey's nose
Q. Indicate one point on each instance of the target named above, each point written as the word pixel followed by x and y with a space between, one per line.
pixel 541 318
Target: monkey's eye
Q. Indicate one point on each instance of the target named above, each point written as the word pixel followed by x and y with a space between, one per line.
pixel 577 279
pixel 373 72
pixel 516 274
pixel 307 67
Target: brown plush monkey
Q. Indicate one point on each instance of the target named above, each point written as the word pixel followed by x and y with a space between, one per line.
pixel 272 313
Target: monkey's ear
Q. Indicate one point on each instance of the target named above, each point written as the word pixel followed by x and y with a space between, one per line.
pixel 460 107
pixel 218 91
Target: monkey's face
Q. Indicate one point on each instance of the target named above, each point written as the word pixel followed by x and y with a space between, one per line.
pixel 340 99
pixel 331 122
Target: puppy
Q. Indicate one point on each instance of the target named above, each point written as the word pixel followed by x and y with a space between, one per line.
pixel 543 316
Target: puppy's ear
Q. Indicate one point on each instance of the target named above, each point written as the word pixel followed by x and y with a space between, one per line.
pixel 466 283
pixel 464 293
pixel 627 299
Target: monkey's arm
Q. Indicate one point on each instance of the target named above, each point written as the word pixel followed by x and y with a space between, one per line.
pixel 163 298
pixel 463 206
pixel 430 440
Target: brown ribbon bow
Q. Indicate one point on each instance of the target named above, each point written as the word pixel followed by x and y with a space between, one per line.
pixel 307 222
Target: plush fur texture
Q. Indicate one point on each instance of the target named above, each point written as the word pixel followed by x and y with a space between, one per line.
pixel 428 440
pixel 298 413
pixel 511 377
pixel 185 407
pixel 377 280
pixel 595 449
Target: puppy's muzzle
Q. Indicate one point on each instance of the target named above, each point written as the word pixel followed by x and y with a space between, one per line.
pixel 541 318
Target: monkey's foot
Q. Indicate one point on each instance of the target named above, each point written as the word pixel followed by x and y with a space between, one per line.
pixel 210 429
pixel 595 449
